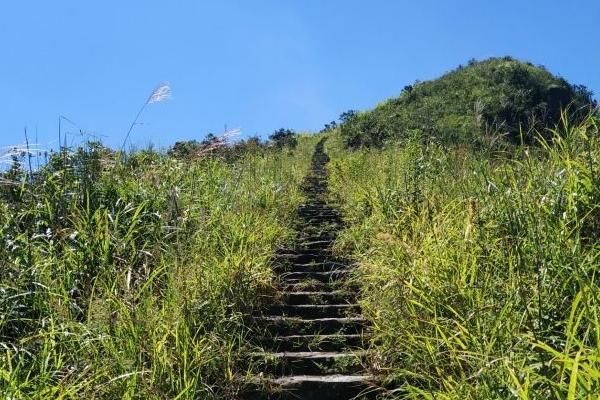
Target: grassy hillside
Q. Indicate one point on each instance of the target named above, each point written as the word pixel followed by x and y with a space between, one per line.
pixel 478 271
pixel 498 96
pixel 133 278
pixel 137 276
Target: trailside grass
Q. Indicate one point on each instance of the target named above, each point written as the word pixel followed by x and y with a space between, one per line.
pixel 133 277
pixel 478 268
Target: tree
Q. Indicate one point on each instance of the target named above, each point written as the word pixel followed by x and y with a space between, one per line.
pixel 347 116
pixel 284 138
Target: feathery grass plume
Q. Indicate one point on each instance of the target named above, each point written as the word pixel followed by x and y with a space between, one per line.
pixel 12 153
pixel 18 151
pixel 218 142
pixel 160 93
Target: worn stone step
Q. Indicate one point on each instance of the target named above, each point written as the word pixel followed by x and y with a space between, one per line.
pixel 321 276
pixel 317 266
pixel 301 256
pixel 286 326
pixel 317 236
pixel 320 219
pixel 314 387
pixel 311 209
pixel 310 285
pixel 333 297
pixel 309 311
pixel 333 342
pixel 315 244
pixel 318 212
pixel 328 387
pixel 310 362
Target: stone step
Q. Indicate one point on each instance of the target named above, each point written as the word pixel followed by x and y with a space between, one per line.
pixel 320 219
pixel 286 326
pixel 310 362
pixel 310 285
pixel 316 210
pixel 316 236
pixel 314 342
pixel 325 277
pixel 315 244
pixel 333 297
pixel 301 256
pixel 328 387
pixel 323 208
pixel 322 267
pixel 310 311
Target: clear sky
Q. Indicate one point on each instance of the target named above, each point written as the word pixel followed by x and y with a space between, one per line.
pixel 258 65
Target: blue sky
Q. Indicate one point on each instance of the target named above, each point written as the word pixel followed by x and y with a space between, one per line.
pixel 257 65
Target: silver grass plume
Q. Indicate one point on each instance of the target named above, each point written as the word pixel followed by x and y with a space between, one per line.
pixel 160 93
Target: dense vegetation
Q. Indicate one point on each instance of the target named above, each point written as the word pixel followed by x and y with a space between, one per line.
pixel 132 277
pixel 472 211
pixel 496 97
pixel 479 270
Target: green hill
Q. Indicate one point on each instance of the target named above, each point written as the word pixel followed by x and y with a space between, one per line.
pixel 495 96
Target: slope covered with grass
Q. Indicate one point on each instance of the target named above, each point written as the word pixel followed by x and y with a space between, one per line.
pixel 498 96
pixel 478 270
pixel 133 278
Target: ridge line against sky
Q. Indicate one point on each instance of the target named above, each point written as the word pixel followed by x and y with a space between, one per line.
pixel 258 66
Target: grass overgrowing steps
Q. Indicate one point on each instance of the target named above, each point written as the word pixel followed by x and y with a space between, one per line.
pixel 312 335
pixel 449 250
pixel 133 278
pixel 479 268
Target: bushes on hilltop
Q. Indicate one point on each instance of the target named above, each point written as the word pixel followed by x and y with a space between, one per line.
pixel 500 96
pixel 283 138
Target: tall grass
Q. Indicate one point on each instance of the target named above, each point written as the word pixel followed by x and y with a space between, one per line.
pixel 132 278
pixel 479 269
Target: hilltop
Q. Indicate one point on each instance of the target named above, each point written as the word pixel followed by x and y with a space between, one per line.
pixel 497 96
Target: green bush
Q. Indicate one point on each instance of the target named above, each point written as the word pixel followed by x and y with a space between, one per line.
pixel 498 96
pixel 132 276
pixel 478 271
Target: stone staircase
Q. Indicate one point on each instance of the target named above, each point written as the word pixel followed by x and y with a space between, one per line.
pixel 312 334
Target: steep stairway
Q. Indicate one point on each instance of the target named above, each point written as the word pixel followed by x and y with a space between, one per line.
pixel 312 334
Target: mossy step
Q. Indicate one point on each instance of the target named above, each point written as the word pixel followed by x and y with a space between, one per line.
pixel 318 211
pixel 308 311
pixel 300 256
pixel 311 285
pixel 315 244
pixel 317 387
pixel 333 342
pixel 316 236
pixel 310 362
pixel 320 219
pixel 317 266
pixel 321 276
pixel 332 297
pixel 286 326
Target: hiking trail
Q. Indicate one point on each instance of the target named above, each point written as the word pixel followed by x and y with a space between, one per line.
pixel 315 335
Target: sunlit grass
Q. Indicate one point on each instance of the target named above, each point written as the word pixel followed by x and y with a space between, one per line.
pixel 134 278
pixel 479 269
